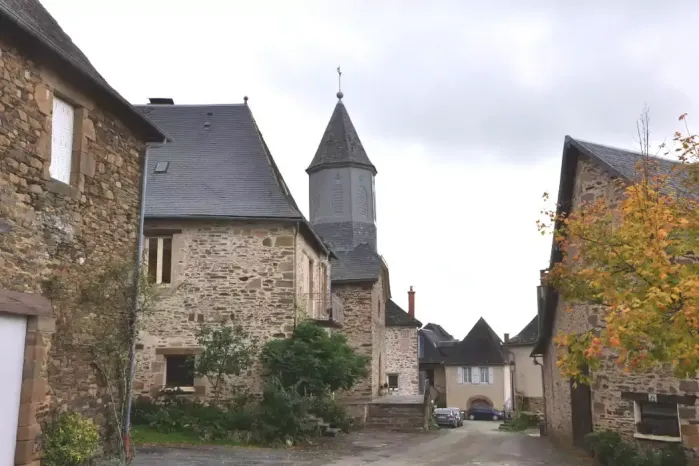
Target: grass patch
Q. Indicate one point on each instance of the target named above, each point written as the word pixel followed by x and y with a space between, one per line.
pixel 144 435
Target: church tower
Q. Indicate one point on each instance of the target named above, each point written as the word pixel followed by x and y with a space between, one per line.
pixel 341 186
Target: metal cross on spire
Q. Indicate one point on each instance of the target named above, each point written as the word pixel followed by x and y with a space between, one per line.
pixel 339 84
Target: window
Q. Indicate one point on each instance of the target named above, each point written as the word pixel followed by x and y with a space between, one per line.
pixel 475 375
pixel 62 122
pixel 179 371
pixel 160 259
pixel 656 419
pixel 393 381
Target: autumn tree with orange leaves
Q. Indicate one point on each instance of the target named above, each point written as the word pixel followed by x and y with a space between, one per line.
pixel 637 260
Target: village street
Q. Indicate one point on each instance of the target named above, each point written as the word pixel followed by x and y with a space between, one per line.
pixel 476 443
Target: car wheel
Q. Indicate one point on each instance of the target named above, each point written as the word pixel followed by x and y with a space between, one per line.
pixel 472 417
pixel 495 417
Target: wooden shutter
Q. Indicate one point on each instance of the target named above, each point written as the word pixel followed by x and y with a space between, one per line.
pixel 459 375
pixel 475 375
pixel 490 375
pixel 62 121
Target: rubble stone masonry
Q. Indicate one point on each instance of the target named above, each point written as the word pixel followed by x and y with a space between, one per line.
pixel 364 327
pixel 401 354
pixel 609 409
pixel 234 272
pixel 80 227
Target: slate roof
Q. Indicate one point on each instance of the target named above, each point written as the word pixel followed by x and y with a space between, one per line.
pixel 397 317
pixel 36 22
pixel 340 144
pixel 622 162
pixel 528 335
pixel 618 162
pixel 438 332
pixel 361 264
pixel 481 346
pixel 218 166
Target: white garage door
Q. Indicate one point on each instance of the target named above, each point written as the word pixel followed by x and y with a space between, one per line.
pixel 12 333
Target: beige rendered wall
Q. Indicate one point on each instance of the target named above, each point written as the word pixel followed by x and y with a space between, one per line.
pixel 460 395
pixel 528 379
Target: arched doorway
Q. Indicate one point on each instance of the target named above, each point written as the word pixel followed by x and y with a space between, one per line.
pixel 479 401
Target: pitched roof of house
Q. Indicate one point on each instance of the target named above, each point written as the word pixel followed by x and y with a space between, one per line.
pixel 528 335
pixel 218 166
pixel 340 144
pixel 481 346
pixel 617 162
pixel 397 317
pixel 32 19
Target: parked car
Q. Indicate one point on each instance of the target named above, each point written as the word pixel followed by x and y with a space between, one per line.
pixel 459 415
pixel 486 413
pixel 447 417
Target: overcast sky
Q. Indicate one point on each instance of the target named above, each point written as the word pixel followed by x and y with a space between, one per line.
pixel 462 106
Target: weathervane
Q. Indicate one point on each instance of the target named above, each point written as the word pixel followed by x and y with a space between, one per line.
pixel 339 84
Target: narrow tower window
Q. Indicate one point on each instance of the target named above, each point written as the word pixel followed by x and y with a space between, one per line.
pixel 363 202
pixel 337 195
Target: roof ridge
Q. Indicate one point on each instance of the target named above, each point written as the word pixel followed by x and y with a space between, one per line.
pixel 190 105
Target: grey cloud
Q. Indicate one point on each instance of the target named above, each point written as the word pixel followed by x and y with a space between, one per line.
pixel 432 86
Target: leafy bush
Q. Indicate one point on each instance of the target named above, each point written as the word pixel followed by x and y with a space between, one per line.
pixel 227 351
pixel 610 450
pixel 70 440
pixel 283 415
pixel 179 414
pixel 331 412
pixel 602 445
pixel 314 362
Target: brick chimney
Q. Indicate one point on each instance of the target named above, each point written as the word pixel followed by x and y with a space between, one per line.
pixel 411 303
pixel 507 337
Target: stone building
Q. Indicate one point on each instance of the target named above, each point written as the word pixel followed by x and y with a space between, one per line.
pixel 401 348
pixel 226 243
pixel 71 154
pixel 650 407
pixel 527 382
pixel 343 212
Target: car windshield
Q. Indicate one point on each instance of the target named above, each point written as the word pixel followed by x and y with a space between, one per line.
pixel 442 411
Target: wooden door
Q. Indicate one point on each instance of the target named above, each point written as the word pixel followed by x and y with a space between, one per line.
pixel 581 412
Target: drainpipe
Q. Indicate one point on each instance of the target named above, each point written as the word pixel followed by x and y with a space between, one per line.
pixel 543 392
pixel 294 277
pixel 137 302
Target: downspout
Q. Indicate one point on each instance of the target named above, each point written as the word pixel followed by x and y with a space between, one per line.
pixel 543 389
pixel 136 311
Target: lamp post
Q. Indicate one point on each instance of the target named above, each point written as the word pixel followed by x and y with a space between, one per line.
pixel 512 385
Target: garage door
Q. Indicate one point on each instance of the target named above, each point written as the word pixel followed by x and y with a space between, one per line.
pixel 13 329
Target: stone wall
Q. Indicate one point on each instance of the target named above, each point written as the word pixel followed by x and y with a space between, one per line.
pixel 78 228
pixel 378 331
pixel 401 358
pixel 398 416
pixel 312 279
pixel 609 410
pixel 236 272
pixel 359 318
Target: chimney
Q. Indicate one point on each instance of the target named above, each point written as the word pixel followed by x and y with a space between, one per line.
pixel 507 337
pixel 161 101
pixel 411 303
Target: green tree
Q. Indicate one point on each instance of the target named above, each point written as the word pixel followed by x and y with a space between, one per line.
pixel 635 258
pixel 228 351
pixel 313 361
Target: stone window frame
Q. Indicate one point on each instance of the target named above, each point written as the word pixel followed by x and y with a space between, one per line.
pixel 388 378
pixel 160 238
pixel 161 354
pixel 83 163
pixel 637 416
